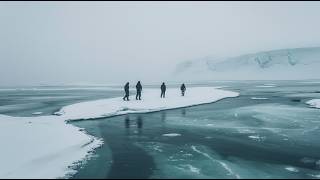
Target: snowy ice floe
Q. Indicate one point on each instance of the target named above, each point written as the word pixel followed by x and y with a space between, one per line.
pixel 36 113
pixel 258 98
pixel 315 103
pixel 150 102
pixel 171 135
pixel 41 147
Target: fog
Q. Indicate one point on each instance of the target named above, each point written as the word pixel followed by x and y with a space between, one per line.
pixel 55 43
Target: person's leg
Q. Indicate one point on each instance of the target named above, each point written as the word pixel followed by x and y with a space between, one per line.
pixel 139 95
pixel 164 94
pixel 161 94
pixel 127 95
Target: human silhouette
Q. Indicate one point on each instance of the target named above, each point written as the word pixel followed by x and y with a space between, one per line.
pixel 163 90
pixel 183 89
pixel 126 90
pixel 139 89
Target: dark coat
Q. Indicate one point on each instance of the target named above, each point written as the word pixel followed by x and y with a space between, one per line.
pixel 163 87
pixel 126 88
pixel 139 87
pixel 183 87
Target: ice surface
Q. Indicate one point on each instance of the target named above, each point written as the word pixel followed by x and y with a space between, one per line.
pixel 48 147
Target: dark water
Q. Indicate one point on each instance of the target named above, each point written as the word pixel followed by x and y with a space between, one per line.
pixel 238 137
pixel 25 101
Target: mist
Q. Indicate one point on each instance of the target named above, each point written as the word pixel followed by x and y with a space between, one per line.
pixel 50 43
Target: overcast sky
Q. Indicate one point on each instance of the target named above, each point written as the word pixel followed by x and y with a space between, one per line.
pixel 112 42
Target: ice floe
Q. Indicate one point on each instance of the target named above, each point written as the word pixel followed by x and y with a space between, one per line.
pixel 150 102
pixel 314 103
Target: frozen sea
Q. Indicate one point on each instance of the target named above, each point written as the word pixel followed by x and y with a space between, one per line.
pixel 266 132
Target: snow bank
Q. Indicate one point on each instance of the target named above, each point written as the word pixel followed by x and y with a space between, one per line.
pixel 41 147
pixel 150 102
pixel 314 103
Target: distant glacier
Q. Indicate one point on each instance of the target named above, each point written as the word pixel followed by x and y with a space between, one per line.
pixel 283 64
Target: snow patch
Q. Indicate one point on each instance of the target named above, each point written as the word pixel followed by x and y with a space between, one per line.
pixel 36 113
pixel 265 86
pixel 256 137
pixel 315 103
pixel 258 98
pixel 171 135
pixel 292 169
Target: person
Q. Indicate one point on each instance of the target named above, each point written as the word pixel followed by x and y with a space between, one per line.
pixel 183 89
pixel 126 90
pixel 163 90
pixel 139 89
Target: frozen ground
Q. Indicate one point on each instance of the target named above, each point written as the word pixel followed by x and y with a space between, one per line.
pixel 48 147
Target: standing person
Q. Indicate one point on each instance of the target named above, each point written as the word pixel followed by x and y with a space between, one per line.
pixel 183 89
pixel 139 89
pixel 126 90
pixel 163 90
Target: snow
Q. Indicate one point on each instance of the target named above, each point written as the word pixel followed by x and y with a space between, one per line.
pixel 265 86
pixel 256 137
pixel 36 113
pixel 258 98
pixel 171 135
pixel 150 102
pixel 292 169
pixel 41 147
pixel 314 103
pixel 48 147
